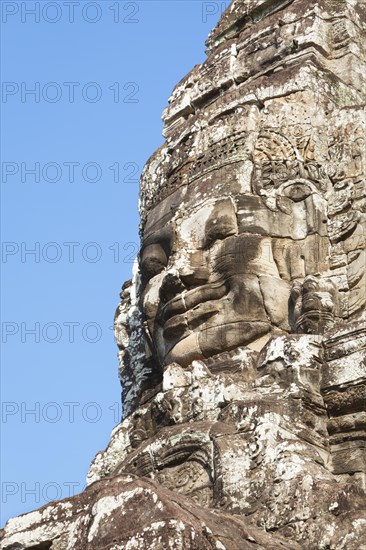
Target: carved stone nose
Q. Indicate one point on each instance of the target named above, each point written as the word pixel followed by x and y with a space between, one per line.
pixel 171 286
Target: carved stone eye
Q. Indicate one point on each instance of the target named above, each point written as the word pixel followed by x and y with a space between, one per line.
pixel 219 231
pixel 221 224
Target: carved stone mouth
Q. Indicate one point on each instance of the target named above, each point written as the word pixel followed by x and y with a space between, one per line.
pixel 189 300
pixel 184 323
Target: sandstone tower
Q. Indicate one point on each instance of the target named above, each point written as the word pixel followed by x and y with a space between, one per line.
pixel 242 333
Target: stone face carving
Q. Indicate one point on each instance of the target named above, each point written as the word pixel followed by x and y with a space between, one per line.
pixel 242 333
pixel 217 269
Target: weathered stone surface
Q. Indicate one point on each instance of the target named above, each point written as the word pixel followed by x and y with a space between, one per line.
pixel 242 333
pixel 251 439
pixel 127 513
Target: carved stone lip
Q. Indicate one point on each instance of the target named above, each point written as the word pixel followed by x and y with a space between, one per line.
pixel 189 299
pixel 175 327
pixel 182 324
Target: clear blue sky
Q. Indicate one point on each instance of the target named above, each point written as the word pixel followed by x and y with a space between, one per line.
pixel 58 354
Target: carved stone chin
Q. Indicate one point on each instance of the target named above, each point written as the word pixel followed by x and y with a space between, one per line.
pixel 242 334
